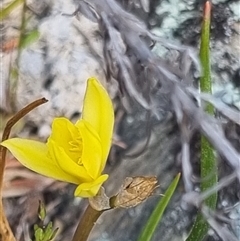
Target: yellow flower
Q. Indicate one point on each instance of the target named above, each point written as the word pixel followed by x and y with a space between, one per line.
pixel 73 153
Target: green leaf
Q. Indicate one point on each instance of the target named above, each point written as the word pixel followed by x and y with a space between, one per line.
pixel 157 213
pixel 7 10
pixel 48 232
pixel 208 161
pixel 41 211
pixel 38 234
pixel 45 232
pixel 35 227
pixel 54 233
pixel 29 38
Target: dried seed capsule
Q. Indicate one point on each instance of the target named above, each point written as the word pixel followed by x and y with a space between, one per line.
pixel 134 191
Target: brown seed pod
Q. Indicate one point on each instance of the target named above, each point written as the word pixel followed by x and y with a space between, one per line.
pixel 134 191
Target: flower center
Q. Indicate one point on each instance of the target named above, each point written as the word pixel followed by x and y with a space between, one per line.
pixel 76 150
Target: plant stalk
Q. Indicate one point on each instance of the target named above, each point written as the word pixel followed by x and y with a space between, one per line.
pixel 86 224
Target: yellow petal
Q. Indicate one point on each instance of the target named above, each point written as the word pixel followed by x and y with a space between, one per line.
pixel 98 111
pixel 63 131
pixel 65 163
pixel 34 155
pixel 92 149
pixel 63 134
pixel 90 189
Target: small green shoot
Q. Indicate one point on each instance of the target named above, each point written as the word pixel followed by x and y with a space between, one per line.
pixel 44 232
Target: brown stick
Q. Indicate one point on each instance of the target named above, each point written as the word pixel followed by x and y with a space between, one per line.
pixel 5 230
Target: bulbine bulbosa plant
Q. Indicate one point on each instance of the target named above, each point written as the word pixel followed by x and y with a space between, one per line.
pixel 77 152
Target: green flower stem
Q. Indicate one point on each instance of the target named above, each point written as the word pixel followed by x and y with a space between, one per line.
pixel 86 224
pixel 208 161
pixel 205 81
pixel 88 221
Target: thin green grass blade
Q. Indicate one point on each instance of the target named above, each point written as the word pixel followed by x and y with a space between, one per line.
pixel 156 215
pixel 7 10
pixel 208 161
